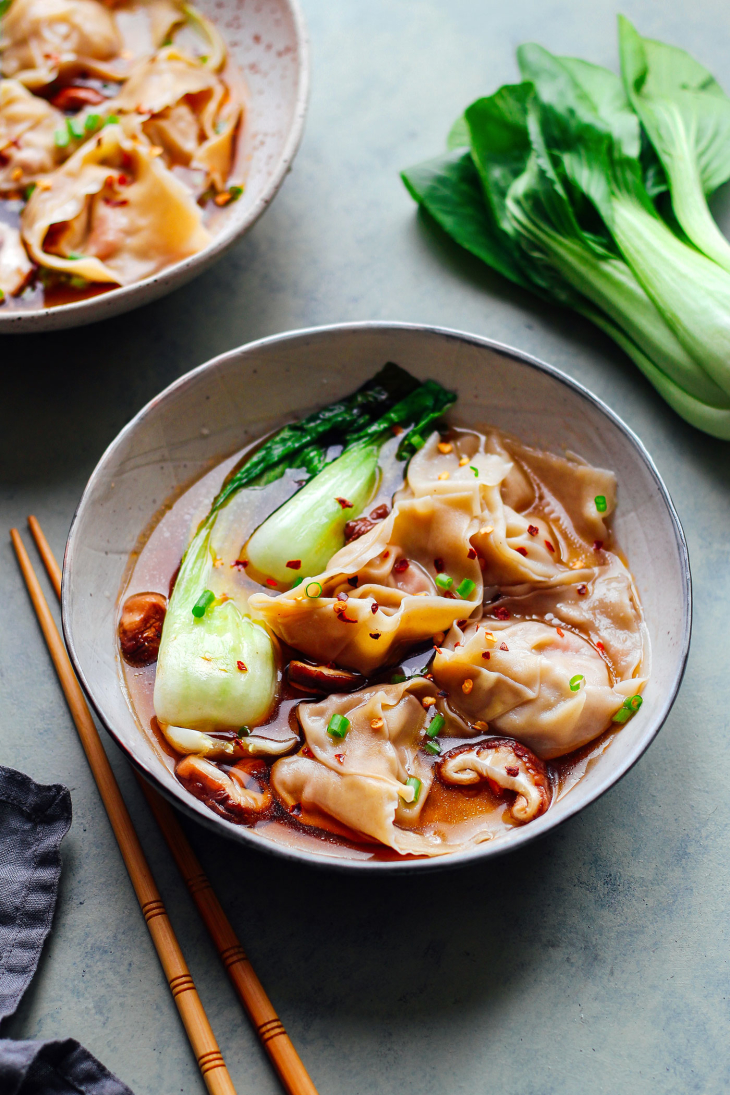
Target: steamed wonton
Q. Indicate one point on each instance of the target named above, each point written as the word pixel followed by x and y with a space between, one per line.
pixel 112 213
pixel 27 136
pixel 15 266
pixel 361 780
pixel 44 38
pixel 386 578
pixel 187 111
pixel 521 676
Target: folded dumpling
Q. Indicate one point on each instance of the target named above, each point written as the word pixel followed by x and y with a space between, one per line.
pixel 546 687
pixel 370 775
pixel 28 126
pixel 15 266
pixel 112 213
pixel 186 110
pixel 145 25
pixel 42 39
pixel 408 578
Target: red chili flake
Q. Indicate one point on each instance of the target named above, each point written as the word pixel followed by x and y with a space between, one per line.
pixel 398 430
pixel 600 646
pixel 549 546
pixel 344 503
pixel 471 554
pixel 242 666
pixel 295 564
pixel 341 596
pixel 127 160
pixel 503 646
pixel 560 632
pixel 582 590
pixel 374 634
pixel 380 512
pixel 272 582
pixel 486 655
pixel 451 596
pixel 512 770
pixel 374 607
pixel 296 809
pixel 307 752
pixel 240 564
pixel 401 565
pixel 386 555
pixel 439 566
pixel 522 551
pixel 501 613
pixel 443 693
pixel 123 180
pixel 340 611
pixel 533 530
pixel 598 545
pixel 357 528
pixel 353 581
pixel 340 757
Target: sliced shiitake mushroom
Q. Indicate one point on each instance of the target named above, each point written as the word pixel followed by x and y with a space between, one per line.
pixel 504 764
pixel 140 627
pixel 237 793
pixel 322 678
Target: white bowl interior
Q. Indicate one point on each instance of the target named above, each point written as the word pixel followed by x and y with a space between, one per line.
pixel 268 43
pixel 213 411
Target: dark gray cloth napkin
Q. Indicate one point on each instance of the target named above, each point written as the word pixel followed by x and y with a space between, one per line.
pixel 33 821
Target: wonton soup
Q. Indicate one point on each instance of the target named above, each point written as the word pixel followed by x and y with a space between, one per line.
pixel 119 125
pixel 388 631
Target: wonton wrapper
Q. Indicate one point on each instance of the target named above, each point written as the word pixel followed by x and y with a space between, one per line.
pixel 409 607
pixel 513 556
pixel 524 692
pixel 187 110
pixel 15 266
pixel 146 24
pixel 118 207
pixel 28 126
pixel 42 39
pixel 366 789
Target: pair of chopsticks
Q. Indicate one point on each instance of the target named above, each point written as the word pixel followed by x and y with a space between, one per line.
pixel 284 1057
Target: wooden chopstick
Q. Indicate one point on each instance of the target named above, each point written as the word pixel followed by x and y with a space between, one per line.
pixel 266 1022
pixel 192 1013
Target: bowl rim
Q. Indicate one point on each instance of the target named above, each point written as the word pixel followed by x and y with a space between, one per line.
pixel 121 299
pixel 250 838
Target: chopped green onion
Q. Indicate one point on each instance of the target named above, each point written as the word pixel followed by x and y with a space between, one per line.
pixel 601 503
pixel 74 256
pixel 61 138
pixel 4 5
pixel 297 582
pixel 432 747
pixel 313 590
pixel 444 581
pixel 338 726
pixel 77 282
pixel 415 783
pixel 2 296
pixel 112 120
pixel 167 41
pixel 416 441
pixel 465 588
pixel 235 192
pixel 475 470
pixel 398 678
pixel 29 190
pixel 628 708
pixel 435 726
pixel 93 121
pixel 244 732
pixel 75 129
pixel 204 601
pixel 575 682
pixel 204 60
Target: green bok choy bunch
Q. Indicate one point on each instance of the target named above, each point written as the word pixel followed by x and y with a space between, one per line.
pixel 560 183
pixel 216 668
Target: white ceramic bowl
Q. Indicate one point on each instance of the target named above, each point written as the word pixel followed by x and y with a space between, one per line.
pixel 213 411
pixel 268 42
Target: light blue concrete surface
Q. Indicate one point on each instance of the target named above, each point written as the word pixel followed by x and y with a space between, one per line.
pixel 595 961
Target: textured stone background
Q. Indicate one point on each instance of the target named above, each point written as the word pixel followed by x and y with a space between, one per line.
pixel 595 961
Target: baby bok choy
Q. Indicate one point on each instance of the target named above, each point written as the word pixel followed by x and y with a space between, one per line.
pixel 216 668
pixel 301 537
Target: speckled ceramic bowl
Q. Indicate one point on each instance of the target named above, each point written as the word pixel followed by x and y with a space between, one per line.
pixel 211 412
pixel 268 42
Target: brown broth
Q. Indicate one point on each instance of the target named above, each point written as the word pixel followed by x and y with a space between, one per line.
pixel 464 811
